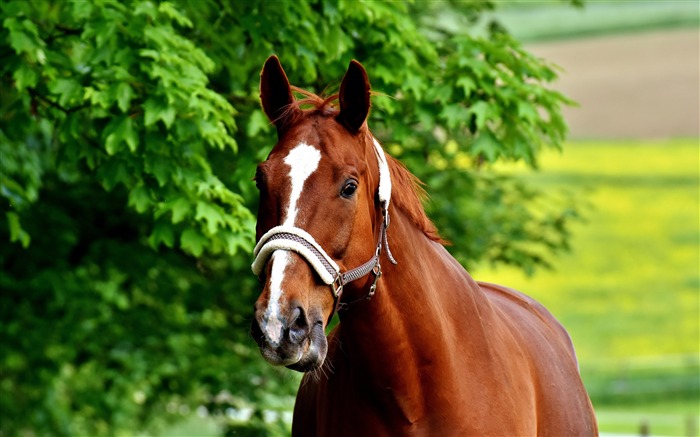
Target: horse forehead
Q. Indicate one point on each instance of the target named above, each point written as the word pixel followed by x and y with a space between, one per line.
pixel 321 132
pixel 302 161
pixel 317 147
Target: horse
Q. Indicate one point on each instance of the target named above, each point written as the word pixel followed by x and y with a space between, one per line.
pixel 421 348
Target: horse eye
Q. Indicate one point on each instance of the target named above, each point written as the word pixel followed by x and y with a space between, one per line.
pixel 348 190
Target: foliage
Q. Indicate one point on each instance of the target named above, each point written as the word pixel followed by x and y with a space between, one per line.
pixel 130 132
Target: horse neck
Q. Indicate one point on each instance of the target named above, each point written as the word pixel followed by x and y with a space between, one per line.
pixel 423 305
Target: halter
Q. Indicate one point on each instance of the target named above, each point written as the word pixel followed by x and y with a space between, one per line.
pixel 292 238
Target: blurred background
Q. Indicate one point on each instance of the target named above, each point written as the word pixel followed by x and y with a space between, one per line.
pixel 130 133
pixel 629 289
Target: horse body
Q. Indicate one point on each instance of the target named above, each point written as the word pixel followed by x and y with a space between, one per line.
pixel 495 363
pixel 433 352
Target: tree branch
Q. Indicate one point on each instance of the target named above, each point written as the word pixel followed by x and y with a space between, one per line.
pixel 64 31
pixel 36 95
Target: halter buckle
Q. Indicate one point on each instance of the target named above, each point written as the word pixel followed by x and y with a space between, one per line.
pixel 337 285
pixel 377 272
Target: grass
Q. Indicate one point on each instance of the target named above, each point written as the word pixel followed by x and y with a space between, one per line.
pixel 629 292
pixel 668 418
pixel 682 420
pixel 193 426
pixel 545 20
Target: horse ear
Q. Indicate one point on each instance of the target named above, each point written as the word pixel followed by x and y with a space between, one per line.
pixel 275 91
pixel 354 97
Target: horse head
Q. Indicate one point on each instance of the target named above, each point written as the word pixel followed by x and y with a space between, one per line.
pixel 319 213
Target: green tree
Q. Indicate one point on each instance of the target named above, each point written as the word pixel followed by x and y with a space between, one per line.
pixel 129 134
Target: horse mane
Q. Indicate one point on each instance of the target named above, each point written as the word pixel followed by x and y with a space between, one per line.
pixel 408 195
pixel 407 192
pixel 325 105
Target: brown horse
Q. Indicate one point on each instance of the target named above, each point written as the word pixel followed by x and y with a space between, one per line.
pixel 421 348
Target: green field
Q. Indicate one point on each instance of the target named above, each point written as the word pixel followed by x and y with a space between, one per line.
pixel 542 20
pixel 629 292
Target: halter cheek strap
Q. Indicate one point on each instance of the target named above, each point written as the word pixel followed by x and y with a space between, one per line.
pixel 295 239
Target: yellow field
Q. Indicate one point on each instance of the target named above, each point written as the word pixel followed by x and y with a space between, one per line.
pixel 629 292
pixel 630 286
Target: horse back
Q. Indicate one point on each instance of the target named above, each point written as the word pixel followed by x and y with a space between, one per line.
pixel 515 303
pixel 562 403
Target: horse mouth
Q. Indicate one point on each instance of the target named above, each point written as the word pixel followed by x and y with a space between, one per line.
pixel 311 359
pixel 314 355
pixel 304 367
pixel 304 356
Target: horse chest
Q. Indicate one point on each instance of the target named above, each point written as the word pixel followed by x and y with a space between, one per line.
pixel 347 402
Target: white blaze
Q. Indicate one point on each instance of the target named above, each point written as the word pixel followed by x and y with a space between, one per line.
pixel 302 161
pixel 279 260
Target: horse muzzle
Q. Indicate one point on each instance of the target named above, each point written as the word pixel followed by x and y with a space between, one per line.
pixel 294 341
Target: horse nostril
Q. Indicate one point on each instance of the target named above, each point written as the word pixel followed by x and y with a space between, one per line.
pixel 299 326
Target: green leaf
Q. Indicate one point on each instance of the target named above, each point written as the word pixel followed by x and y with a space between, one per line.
pixel 168 9
pixel 455 115
pixel 25 77
pixel 162 233
pixel 487 145
pixel 156 164
pixel 193 241
pixel 150 53
pixel 69 91
pixel 233 241
pixel 211 215
pixel 468 85
pixel 113 172
pixel 124 95
pixel 22 42
pixel 257 123
pixel 146 8
pixel 155 109
pixel 16 231
pixel 24 39
pixel 120 130
pixel 180 208
pixel 140 198
pixel 482 112
pixel 527 111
